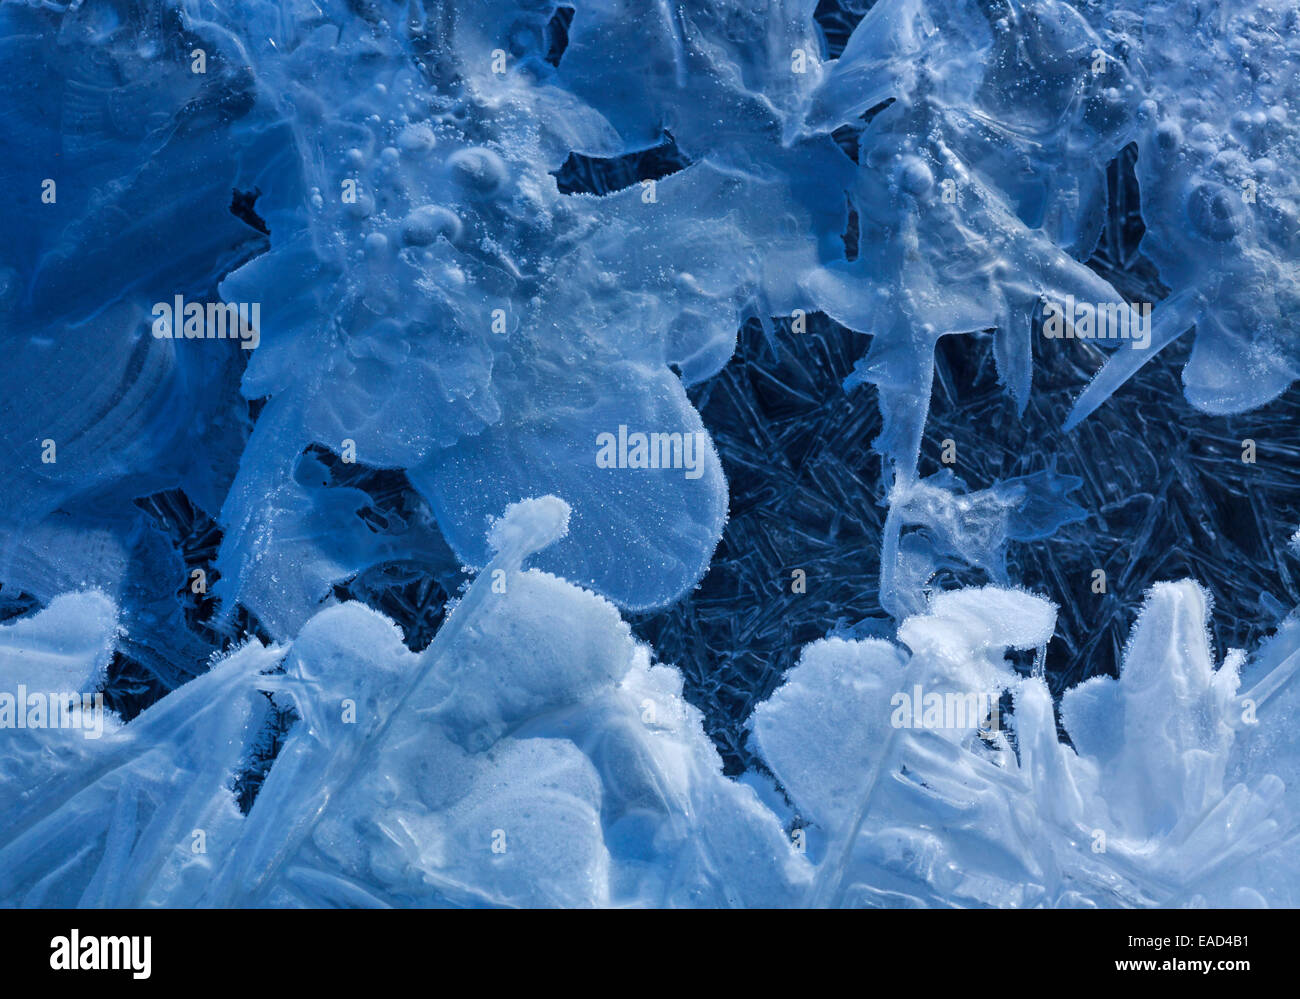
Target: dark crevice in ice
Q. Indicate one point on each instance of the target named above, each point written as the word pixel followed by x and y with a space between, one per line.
pixel 849 137
pixel 241 206
pixel 196 538
pixel 581 174
pixel 130 686
pixel 138 674
pixel 557 32
pixel 15 603
pixel 255 407
pixel 263 751
pixel 406 592
pixel 1118 256
pixel 412 593
pixel 837 19
pixel 805 494
pixel 850 235
pixel 394 504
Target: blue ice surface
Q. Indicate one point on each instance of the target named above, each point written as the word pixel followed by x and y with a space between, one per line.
pixel 437 653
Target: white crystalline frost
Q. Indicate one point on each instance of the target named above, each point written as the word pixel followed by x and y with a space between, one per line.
pixel 1138 812
pixel 533 755
pixel 66 647
pixel 529 526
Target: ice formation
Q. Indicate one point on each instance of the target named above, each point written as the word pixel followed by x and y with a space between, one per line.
pixel 368 614
pixel 532 755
